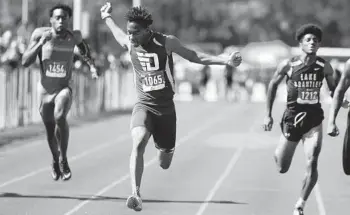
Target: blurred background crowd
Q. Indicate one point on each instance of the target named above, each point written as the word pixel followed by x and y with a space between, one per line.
pixel 262 30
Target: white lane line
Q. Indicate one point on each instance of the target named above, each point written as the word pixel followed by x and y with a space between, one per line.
pixel 190 135
pixel 71 159
pixel 121 138
pixel 227 171
pixel 319 200
pixel 221 179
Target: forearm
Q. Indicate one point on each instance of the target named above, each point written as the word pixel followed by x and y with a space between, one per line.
pixel 335 106
pixel 110 22
pixel 29 55
pixel 206 59
pixel 271 95
pixel 86 53
pixel 117 32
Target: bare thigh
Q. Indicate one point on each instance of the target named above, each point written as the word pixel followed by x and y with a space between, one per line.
pixel 63 103
pixel 312 142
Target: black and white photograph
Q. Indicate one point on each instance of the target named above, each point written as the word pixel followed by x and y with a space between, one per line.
pixel 168 107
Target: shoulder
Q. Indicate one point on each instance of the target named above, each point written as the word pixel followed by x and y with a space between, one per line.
pixel 347 68
pixel 158 38
pixel 322 62
pixel 295 61
pixel 76 34
pixel 171 41
pixel 170 37
pixel 287 63
pixel 39 31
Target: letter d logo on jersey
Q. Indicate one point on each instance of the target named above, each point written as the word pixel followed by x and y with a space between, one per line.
pixel 148 61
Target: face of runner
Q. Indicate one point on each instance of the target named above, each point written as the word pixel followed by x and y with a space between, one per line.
pixel 137 33
pixel 309 44
pixel 59 20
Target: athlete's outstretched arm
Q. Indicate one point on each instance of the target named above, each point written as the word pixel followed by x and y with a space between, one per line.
pixel 339 92
pixel 330 77
pixel 173 44
pixel 119 35
pixel 277 77
pixel 37 40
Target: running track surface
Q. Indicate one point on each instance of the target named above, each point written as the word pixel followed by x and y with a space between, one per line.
pixel 223 165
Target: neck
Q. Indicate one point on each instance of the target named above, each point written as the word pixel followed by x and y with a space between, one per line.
pixel 308 58
pixel 148 36
pixel 60 34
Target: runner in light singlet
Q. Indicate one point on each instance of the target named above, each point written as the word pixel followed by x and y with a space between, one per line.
pixel 55 48
pixel 302 119
pixel 154 113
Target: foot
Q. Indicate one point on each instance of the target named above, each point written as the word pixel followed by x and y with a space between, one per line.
pixel 134 202
pixel 298 211
pixel 66 173
pixel 56 172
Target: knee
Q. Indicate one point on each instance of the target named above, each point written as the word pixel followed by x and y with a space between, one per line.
pixel 140 138
pixel 311 165
pixel 282 167
pixel 164 165
pixel 59 117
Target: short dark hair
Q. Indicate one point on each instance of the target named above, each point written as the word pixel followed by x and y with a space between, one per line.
pixel 63 7
pixel 140 15
pixel 308 29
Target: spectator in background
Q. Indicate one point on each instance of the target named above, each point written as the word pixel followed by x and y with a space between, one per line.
pixel 12 49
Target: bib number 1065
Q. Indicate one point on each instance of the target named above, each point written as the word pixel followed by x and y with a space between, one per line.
pixel 154 80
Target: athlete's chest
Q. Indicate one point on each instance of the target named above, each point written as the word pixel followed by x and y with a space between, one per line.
pixel 313 72
pixel 149 63
pixel 149 58
pixel 58 49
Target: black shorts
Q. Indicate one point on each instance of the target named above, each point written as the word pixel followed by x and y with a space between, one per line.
pixel 295 124
pixel 162 127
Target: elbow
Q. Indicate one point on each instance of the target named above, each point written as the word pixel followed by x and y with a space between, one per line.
pixel 25 61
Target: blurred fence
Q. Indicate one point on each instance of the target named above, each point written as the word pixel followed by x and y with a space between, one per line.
pixel 19 103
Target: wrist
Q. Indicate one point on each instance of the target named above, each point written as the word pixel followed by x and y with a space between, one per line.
pixel 106 16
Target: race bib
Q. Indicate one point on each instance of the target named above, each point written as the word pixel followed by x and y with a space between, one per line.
pixel 56 69
pixel 308 96
pixel 153 81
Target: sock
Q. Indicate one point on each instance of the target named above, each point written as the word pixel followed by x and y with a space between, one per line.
pixel 300 203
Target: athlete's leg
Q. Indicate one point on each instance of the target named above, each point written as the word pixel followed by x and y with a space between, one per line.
pixel 63 103
pixel 165 157
pixel 284 153
pixel 46 110
pixel 312 146
pixel 140 136
pixel 164 136
pixel 346 148
pixel 140 132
